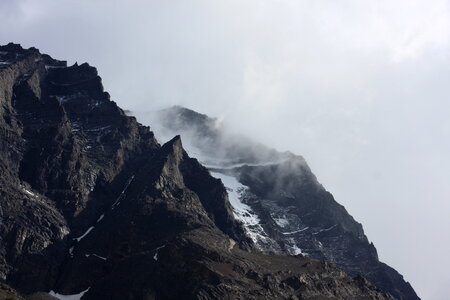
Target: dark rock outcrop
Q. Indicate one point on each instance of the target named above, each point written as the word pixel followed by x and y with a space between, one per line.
pixel 8 293
pixel 296 214
pixel 92 205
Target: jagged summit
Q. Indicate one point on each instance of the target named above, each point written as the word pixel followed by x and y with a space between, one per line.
pixel 12 53
pixel 92 206
pixel 211 142
pixel 280 202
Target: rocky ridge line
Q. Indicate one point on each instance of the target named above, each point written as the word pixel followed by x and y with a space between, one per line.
pixel 92 205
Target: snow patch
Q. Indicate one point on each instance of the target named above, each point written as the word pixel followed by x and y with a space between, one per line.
pixel 29 192
pixel 85 234
pixel 95 255
pixel 100 218
pixel 293 249
pixel 326 229
pixel 280 221
pixel 122 194
pixel 296 231
pixel 69 297
pixel 64 99
pixel 155 257
pixel 242 211
pixel 64 231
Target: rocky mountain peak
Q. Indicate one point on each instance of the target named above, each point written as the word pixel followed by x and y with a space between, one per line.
pixel 280 202
pixel 93 207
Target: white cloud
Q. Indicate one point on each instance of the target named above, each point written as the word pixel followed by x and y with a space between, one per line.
pixel 360 88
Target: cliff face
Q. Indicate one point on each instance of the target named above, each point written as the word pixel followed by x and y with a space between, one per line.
pixel 92 206
pixel 291 212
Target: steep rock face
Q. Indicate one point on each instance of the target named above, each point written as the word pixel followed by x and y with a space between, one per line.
pixel 8 293
pixel 91 205
pixel 160 235
pixel 55 160
pixel 290 211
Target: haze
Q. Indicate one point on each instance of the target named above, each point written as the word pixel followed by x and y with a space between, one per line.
pixel 361 89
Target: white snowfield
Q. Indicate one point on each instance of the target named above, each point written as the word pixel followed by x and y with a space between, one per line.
pixel 242 211
pixel 69 297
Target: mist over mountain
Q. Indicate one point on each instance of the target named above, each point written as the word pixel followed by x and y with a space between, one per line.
pixel 283 207
pixel 93 207
pixel 359 89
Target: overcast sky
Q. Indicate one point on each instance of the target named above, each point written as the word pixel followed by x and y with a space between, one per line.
pixel 361 89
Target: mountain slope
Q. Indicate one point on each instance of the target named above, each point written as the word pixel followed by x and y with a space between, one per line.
pixel 283 207
pixel 92 206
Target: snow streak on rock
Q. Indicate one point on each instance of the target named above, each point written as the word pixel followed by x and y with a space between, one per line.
pixel 241 211
pixel 85 234
pixel 69 297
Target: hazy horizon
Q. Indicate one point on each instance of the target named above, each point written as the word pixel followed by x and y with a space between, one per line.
pixel 360 89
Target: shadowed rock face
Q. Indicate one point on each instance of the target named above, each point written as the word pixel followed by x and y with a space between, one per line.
pixel 8 293
pixel 91 204
pixel 295 213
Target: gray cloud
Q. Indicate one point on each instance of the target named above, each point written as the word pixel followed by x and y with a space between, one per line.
pixel 360 89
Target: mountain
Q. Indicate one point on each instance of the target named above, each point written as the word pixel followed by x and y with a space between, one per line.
pixel 283 207
pixel 93 207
